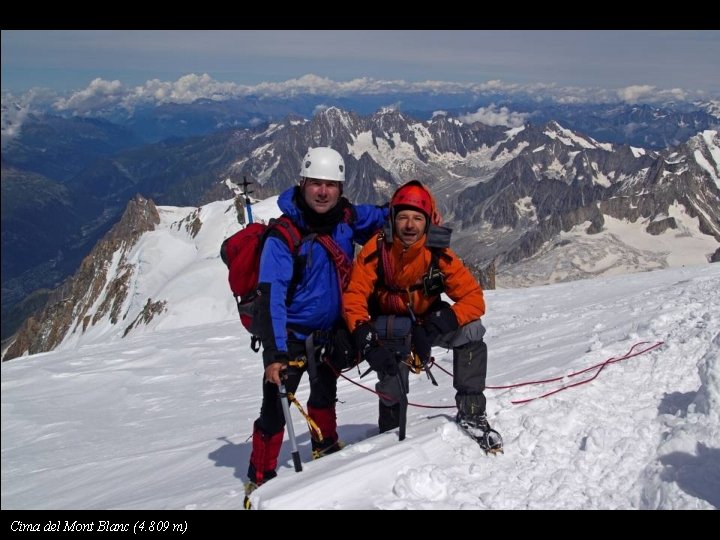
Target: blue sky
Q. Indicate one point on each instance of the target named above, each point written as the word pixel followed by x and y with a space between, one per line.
pixel 69 60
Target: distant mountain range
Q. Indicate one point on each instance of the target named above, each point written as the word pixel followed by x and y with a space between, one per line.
pixel 555 206
pixel 655 125
pixel 511 193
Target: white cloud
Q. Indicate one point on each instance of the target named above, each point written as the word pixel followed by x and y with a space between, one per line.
pixel 102 95
pixel 13 115
pixel 15 110
pixel 635 93
pixel 494 116
pixel 643 93
pixel 99 95
pixel 186 89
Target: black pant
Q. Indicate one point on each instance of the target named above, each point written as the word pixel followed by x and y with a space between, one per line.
pixel 323 390
pixel 469 371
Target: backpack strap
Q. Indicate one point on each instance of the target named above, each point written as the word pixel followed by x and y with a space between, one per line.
pixel 433 283
pixel 339 259
pixel 433 269
pixel 436 254
pixel 283 227
pixel 287 230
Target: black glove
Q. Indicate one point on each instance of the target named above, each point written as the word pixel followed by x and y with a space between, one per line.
pixel 379 358
pixel 343 353
pixel 365 336
pixel 434 325
pixel 422 342
pixel 442 321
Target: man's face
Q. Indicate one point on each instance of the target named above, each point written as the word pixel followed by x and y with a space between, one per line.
pixel 410 226
pixel 321 195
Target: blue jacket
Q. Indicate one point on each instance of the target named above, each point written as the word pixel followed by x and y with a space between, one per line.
pixel 317 301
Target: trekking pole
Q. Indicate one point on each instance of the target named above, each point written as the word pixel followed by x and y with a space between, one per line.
pixel 245 193
pixel 291 430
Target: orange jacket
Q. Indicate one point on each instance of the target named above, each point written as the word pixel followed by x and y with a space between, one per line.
pixel 410 265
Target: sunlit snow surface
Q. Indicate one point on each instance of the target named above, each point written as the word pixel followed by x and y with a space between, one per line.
pixel 161 420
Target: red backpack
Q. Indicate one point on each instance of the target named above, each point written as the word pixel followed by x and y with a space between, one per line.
pixel 241 254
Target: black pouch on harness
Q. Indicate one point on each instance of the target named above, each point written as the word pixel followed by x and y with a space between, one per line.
pixel 395 334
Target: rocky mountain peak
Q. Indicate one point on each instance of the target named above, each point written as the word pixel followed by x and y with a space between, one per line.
pixel 141 215
pixel 707 143
pixel 337 117
pixel 103 272
pixel 711 107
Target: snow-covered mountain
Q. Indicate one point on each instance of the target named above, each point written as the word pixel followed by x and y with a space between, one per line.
pixel 142 277
pixel 519 192
pixel 556 207
pixel 380 150
pixel 161 419
pixel 545 203
pixel 712 107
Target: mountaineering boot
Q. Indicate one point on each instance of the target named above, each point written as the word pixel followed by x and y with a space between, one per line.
pixel 259 480
pixel 327 441
pixel 326 447
pixel 477 423
pixel 478 427
pixel 249 488
pixel 389 417
pixel 469 372
pixel 252 484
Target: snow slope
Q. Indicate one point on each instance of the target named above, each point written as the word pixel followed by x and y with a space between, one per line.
pixel 161 419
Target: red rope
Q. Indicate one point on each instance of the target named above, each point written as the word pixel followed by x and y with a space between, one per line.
pixel 433 363
pixel 387 397
pixel 600 366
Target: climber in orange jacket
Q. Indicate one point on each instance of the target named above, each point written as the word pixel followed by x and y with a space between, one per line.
pixel 402 271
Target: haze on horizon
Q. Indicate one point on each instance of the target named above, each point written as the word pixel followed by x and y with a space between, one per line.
pixel 70 60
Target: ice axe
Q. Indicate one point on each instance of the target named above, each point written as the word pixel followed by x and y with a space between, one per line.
pixel 284 400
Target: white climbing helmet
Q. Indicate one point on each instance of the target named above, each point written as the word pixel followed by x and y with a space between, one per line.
pixel 323 163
